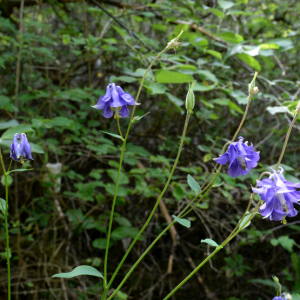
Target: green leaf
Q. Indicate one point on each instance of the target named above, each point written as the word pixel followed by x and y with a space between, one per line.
pixel 176 101
pixel 231 37
pixel 3 204
pixel 211 243
pixel 128 79
pixel 137 118
pixel 81 270
pixel 184 222
pixel 215 54
pixel 9 180
pixel 217 12
pixel 10 123
pixel 246 220
pixel 209 75
pixel 203 88
pixel 112 134
pixel 9 133
pixel 20 170
pixel 113 174
pixel 277 109
pixel 164 76
pixel 286 242
pixel 193 184
pixel 225 4
pixel 249 60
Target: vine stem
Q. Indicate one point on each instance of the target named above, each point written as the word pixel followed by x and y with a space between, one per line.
pixel 6 228
pixel 150 216
pixel 106 287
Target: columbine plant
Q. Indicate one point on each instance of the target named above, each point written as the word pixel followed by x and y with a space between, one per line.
pixel 20 151
pixel 279 194
pixel 241 158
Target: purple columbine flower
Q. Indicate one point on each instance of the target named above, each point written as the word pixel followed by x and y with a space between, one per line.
pixel 115 100
pixel 241 158
pixel 20 149
pixel 280 298
pixel 279 196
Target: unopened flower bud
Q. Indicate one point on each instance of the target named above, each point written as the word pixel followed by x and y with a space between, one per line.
pixel 173 44
pixel 190 98
pixel 255 90
pixel 288 296
pixel 275 279
pixel 252 86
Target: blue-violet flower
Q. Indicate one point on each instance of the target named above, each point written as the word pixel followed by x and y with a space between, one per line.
pixel 279 196
pixel 241 158
pixel 115 100
pixel 20 149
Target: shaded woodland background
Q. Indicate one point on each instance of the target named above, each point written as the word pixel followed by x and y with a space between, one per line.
pixel 57 58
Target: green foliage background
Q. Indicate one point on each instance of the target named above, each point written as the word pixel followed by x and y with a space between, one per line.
pixel 57 58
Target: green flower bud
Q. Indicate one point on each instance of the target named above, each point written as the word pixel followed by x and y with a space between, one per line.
pixel 190 98
pixel 252 89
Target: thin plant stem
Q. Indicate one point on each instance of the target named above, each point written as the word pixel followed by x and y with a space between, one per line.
pixel 209 257
pixel 106 287
pixel 9 165
pixel 154 208
pixel 7 239
pixel 5 211
pixel 286 140
pixel 243 119
pixel 112 210
pixel 119 128
pixel 206 190
pixel 140 259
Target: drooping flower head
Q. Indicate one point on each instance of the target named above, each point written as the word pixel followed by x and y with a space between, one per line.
pixel 20 149
pixel 279 196
pixel 115 100
pixel 241 158
pixel 284 296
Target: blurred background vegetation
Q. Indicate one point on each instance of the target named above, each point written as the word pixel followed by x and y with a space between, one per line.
pixel 57 57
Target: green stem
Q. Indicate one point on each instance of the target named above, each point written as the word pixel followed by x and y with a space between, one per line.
pixel 119 128
pixel 286 140
pixel 141 257
pixel 209 257
pixel 6 227
pixel 206 190
pixel 243 119
pixel 106 287
pixel 153 211
pixel 112 210
pixel 7 237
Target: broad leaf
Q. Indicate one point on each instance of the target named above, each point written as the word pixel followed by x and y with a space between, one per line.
pixel 3 202
pixel 183 222
pixel 164 76
pixel 81 270
pixel 249 60
pixel 9 133
pixel 211 243
pixel 193 184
